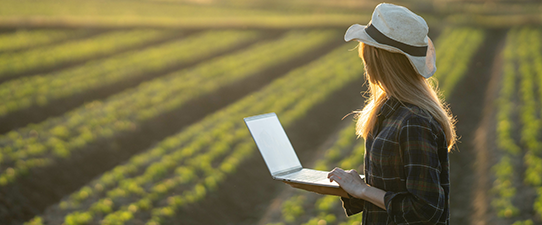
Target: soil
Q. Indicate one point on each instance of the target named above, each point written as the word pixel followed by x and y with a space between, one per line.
pixel 467 103
pixel 484 145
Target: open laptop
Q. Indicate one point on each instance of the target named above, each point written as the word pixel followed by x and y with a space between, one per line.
pixel 279 155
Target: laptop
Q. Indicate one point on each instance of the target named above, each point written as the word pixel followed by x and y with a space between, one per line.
pixel 279 155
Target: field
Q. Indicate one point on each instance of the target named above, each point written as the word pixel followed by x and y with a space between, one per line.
pixel 130 112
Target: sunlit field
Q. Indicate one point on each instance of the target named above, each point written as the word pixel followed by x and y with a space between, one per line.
pixel 131 112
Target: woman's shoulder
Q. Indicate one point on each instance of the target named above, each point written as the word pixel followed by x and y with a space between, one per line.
pixel 400 113
pixel 414 112
pixel 413 115
pixel 407 111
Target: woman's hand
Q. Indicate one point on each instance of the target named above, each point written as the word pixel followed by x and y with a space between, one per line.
pixel 319 189
pixel 350 181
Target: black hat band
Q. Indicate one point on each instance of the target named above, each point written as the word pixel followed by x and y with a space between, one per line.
pixel 383 39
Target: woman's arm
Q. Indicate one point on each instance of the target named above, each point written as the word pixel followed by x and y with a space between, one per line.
pixel 375 196
pixel 351 183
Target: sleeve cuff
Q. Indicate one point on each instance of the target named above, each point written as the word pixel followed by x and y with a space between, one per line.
pixel 352 205
pixel 388 201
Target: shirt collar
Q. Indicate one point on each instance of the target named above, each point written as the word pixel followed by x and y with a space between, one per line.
pixel 389 107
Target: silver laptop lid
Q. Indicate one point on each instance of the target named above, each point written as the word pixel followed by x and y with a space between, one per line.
pixel 274 145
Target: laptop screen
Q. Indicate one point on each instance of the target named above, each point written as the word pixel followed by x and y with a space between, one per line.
pixel 274 145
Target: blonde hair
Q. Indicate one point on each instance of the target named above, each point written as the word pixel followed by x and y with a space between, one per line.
pixel 392 74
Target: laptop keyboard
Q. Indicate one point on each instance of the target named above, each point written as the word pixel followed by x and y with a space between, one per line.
pixel 307 175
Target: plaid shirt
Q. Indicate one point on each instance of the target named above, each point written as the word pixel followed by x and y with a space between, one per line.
pixel 406 156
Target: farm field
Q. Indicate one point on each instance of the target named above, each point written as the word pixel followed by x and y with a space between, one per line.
pixel 133 114
pixel 518 128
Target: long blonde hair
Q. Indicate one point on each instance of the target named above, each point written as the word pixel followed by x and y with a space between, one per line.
pixel 392 74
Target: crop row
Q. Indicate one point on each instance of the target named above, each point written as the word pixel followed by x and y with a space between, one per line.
pixel 22 39
pixel 522 69
pixel 504 169
pixel 530 70
pixel 38 145
pixel 183 168
pixel 455 50
pixel 303 207
pixel 12 64
pixel 42 89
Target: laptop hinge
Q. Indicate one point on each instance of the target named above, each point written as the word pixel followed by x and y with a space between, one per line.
pixel 287 171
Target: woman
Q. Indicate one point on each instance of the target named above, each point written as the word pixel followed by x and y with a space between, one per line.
pixel 408 131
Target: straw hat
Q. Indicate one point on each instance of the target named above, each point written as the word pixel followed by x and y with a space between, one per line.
pixel 397 29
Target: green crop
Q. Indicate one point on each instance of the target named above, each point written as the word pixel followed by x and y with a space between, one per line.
pixel 42 89
pixel 60 137
pixel 519 97
pixel 185 167
pixel 12 64
pixel 454 53
pixel 23 39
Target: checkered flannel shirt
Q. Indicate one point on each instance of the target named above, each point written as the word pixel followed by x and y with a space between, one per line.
pixel 407 157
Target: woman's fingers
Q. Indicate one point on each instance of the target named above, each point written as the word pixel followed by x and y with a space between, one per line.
pixel 350 181
pixel 341 176
pixel 332 171
pixel 338 172
pixel 335 178
pixel 338 175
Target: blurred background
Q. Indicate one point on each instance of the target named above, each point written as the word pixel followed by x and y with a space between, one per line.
pixel 252 14
pixel 130 112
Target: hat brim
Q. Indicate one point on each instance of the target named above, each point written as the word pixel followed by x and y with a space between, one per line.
pixel 424 65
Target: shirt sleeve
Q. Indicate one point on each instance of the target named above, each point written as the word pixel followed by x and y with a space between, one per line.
pixel 352 205
pixel 424 200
